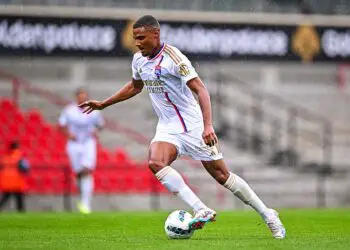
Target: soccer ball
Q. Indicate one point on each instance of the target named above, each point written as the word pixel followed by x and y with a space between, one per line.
pixel 176 225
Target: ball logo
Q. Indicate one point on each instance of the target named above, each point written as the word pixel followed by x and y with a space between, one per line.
pixel 182 215
pixel 178 230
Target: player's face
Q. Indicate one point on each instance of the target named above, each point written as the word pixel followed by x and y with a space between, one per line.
pixel 82 97
pixel 146 40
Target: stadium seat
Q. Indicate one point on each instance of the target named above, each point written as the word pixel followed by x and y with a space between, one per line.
pixel 7 105
pixel 34 116
pixel 121 155
pixel 103 158
pixel 44 145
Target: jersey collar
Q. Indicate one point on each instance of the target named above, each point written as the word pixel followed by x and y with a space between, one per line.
pixel 158 54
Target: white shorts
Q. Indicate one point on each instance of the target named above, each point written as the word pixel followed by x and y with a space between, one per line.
pixel 82 154
pixel 190 144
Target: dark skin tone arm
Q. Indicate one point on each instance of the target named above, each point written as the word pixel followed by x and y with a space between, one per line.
pixel 197 86
pixel 129 90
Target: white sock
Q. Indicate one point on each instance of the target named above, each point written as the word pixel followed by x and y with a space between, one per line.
pixel 87 187
pixel 174 182
pixel 243 191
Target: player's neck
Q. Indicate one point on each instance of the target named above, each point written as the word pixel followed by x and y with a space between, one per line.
pixel 156 51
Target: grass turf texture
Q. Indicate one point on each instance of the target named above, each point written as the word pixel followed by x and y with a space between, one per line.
pixel 306 229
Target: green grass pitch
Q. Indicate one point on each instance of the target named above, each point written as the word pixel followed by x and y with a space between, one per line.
pixel 306 229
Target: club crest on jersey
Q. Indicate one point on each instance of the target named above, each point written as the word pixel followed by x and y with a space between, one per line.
pixel 158 71
pixel 183 69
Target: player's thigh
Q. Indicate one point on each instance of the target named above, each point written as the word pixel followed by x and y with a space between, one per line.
pixel 217 169
pixel 88 159
pixel 75 156
pixel 195 147
pixel 161 154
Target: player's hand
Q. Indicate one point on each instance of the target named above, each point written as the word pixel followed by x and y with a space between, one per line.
pixel 209 136
pixel 91 105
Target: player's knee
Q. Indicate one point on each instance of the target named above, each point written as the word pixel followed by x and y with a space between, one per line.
pixel 85 172
pixel 156 165
pixel 221 177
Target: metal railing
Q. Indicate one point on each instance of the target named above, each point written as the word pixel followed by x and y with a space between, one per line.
pixel 260 128
pixel 19 85
pixel 266 123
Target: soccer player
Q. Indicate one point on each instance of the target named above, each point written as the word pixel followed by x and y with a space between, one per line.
pixel 185 127
pixel 81 131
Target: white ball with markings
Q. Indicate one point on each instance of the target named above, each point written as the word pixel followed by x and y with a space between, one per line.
pixel 176 225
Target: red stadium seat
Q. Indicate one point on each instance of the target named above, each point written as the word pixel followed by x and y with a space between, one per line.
pixel 121 155
pixel 103 157
pixel 44 146
pixel 18 117
pixel 47 130
pixel 34 117
pixel 7 105
pixel 3 118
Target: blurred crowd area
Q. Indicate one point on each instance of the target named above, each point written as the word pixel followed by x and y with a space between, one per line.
pixel 271 6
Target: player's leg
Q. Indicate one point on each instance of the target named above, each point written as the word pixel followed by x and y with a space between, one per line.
pixel 86 187
pixel 88 162
pixel 218 170
pixel 240 188
pixel 75 154
pixel 19 201
pixel 213 162
pixel 161 155
pixel 4 199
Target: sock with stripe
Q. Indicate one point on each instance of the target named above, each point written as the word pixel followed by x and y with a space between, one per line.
pixel 174 182
pixel 87 187
pixel 243 191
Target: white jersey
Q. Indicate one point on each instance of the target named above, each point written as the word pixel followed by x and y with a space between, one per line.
pixel 80 125
pixel 165 77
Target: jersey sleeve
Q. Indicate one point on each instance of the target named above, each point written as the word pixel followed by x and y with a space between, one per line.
pixel 63 119
pixel 183 67
pixel 135 73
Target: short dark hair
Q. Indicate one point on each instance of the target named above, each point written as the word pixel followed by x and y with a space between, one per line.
pixel 146 21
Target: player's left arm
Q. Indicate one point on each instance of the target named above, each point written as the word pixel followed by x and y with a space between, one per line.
pixel 99 123
pixel 198 87
pixel 184 70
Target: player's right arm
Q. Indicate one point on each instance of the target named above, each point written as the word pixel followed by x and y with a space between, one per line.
pixel 129 90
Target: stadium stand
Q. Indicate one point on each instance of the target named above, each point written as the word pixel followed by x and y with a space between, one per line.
pixel 52 181
pixel 44 146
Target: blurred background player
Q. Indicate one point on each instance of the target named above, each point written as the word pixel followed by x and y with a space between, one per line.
pixel 81 131
pixel 184 127
pixel 13 168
